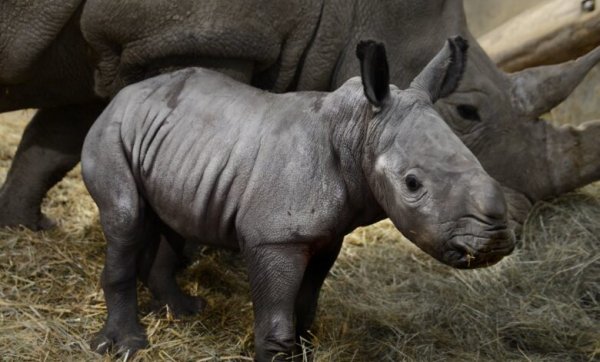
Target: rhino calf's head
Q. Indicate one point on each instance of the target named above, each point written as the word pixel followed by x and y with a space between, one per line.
pixel 427 181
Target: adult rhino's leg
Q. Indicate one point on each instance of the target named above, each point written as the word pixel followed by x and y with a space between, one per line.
pixel 50 147
pixel 162 261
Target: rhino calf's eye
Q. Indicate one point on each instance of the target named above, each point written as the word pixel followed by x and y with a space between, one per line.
pixel 468 112
pixel 412 183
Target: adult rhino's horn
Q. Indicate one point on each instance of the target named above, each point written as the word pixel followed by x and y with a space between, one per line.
pixel 537 90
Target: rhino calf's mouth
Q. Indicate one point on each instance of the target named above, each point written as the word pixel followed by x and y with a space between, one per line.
pixel 470 251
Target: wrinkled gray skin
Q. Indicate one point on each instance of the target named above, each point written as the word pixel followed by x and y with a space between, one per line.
pixel 198 156
pixel 43 64
pixel 278 45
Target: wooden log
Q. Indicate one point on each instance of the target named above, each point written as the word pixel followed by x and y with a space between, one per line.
pixel 550 33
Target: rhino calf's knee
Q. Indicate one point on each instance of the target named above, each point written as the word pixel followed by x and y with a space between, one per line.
pixel 196 156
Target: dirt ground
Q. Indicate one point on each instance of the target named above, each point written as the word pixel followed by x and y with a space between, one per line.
pixel 385 300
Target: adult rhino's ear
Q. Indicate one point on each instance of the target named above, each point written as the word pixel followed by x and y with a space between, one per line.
pixel 374 71
pixel 443 73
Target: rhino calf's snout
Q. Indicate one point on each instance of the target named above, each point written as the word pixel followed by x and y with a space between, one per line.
pixel 488 203
pixel 482 237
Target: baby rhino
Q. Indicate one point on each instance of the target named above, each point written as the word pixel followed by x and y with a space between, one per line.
pixel 196 156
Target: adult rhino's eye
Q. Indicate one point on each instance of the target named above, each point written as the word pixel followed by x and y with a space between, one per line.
pixel 468 112
pixel 412 183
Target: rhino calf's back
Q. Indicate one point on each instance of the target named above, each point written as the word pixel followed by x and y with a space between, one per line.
pixel 207 152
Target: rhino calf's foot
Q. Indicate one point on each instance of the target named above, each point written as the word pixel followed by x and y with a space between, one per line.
pixel 124 341
pixel 181 304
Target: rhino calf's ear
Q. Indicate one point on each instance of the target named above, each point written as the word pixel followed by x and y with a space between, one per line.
pixel 442 75
pixel 374 71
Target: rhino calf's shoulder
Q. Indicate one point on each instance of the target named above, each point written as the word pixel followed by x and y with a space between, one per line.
pixel 196 156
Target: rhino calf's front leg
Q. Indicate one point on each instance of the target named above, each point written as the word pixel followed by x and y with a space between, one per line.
pixel 275 273
pixel 306 301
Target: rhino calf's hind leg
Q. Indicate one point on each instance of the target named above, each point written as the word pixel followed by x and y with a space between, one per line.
pixel 50 147
pixel 159 262
pixel 161 278
pixel 127 223
pixel 122 330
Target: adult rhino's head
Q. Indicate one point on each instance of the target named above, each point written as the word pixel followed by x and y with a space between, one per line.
pixel 498 116
pixel 427 181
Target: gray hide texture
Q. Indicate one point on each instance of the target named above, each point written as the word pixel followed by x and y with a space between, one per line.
pixel 306 45
pixel 43 60
pixel 44 63
pixel 197 156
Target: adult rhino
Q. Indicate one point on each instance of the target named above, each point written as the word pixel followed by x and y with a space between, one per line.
pixel 280 46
